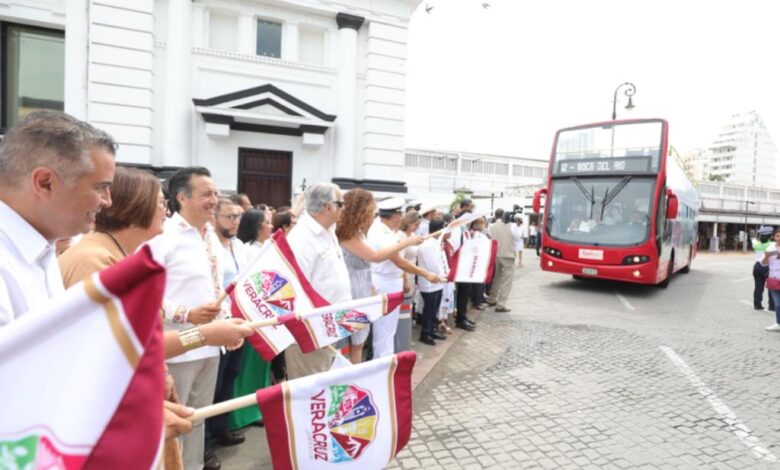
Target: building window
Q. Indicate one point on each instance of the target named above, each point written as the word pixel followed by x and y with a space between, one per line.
pixel 269 38
pixel 33 66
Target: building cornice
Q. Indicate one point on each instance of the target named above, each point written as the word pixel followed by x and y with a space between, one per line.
pixel 254 58
pixel 345 20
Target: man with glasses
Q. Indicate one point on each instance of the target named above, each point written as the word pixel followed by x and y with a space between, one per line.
pixel 317 251
pixel 227 218
pixel 194 268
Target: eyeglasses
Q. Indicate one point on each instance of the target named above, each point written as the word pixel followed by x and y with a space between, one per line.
pixel 339 203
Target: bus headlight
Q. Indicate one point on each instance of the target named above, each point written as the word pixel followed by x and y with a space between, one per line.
pixel 637 273
pixel 553 252
pixel 636 259
pixel 550 263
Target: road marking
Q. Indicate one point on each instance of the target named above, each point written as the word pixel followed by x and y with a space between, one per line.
pixel 743 279
pixel 737 427
pixel 625 302
pixel 746 302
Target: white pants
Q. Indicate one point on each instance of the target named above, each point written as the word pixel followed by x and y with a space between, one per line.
pixel 195 384
pixel 384 329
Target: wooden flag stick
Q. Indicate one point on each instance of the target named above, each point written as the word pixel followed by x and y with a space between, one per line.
pixel 262 323
pixel 233 404
pixel 434 234
pixel 223 407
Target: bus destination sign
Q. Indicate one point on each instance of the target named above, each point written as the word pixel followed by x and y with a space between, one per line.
pixel 604 165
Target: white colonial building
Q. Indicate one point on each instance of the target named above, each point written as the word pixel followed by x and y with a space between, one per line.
pixel 265 93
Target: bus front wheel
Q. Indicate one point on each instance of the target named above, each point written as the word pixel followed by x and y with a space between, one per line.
pixel 687 267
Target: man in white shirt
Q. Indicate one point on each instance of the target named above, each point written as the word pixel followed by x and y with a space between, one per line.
pixel 387 276
pixel 318 254
pixel 227 218
pixel 194 282
pixel 55 175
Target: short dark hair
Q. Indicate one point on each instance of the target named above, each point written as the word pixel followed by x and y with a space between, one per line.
pixel 436 225
pixel 499 213
pixel 281 220
pixel 465 203
pixel 236 198
pixel 180 182
pixel 250 225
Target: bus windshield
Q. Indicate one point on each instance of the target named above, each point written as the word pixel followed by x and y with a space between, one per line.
pixel 612 211
pixel 620 148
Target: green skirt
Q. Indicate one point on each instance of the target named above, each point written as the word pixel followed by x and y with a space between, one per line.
pixel 255 374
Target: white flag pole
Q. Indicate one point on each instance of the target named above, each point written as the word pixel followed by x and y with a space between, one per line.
pixel 230 405
pixel 223 407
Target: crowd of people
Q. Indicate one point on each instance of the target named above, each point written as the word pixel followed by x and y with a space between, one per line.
pixel 69 211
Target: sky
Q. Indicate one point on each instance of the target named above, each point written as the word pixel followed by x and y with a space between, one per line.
pixel 503 79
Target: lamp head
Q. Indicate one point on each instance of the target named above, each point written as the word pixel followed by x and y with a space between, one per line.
pixel 630 104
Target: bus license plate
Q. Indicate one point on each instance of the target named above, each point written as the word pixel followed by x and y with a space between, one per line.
pixel 597 255
pixel 590 271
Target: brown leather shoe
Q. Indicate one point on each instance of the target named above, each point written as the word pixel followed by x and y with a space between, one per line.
pixel 210 461
pixel 503 309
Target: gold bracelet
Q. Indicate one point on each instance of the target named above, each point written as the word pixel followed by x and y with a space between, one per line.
pixel 191 338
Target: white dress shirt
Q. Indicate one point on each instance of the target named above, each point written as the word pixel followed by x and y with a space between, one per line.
pixel 456 239
pixel 431 257
pixel 29 273
pixel 319 256
pixel 234 259
pixel 380 236
pixel 191 281
pixel 424 228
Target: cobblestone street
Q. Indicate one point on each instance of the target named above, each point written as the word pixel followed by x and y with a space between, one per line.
pixel 592 374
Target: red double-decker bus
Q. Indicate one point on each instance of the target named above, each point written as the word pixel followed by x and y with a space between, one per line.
pixel 616 205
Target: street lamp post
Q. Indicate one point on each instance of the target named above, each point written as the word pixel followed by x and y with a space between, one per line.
pixel 745 239
pixel 630 89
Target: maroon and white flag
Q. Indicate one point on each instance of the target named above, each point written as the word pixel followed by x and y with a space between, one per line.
pixel 326 325
pixel 355 418
pixel 82 380
pixel 474 262
pixel 273 287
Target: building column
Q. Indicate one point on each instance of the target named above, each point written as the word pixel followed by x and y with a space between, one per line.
pixel 714 241
pixel 76 58
pixel 346 108
pixel 177 110
pixel 200 34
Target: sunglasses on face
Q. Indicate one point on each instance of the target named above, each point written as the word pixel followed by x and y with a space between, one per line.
pixel 339 203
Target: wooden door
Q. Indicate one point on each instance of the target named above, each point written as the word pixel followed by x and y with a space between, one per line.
pixel 265 176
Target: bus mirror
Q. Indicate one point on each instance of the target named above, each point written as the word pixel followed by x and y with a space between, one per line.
pixel 537 204
pixel 672 205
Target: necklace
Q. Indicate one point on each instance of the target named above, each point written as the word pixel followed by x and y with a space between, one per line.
pixel 124 255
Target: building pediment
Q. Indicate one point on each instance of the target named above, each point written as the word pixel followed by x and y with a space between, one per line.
pixel 266 109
